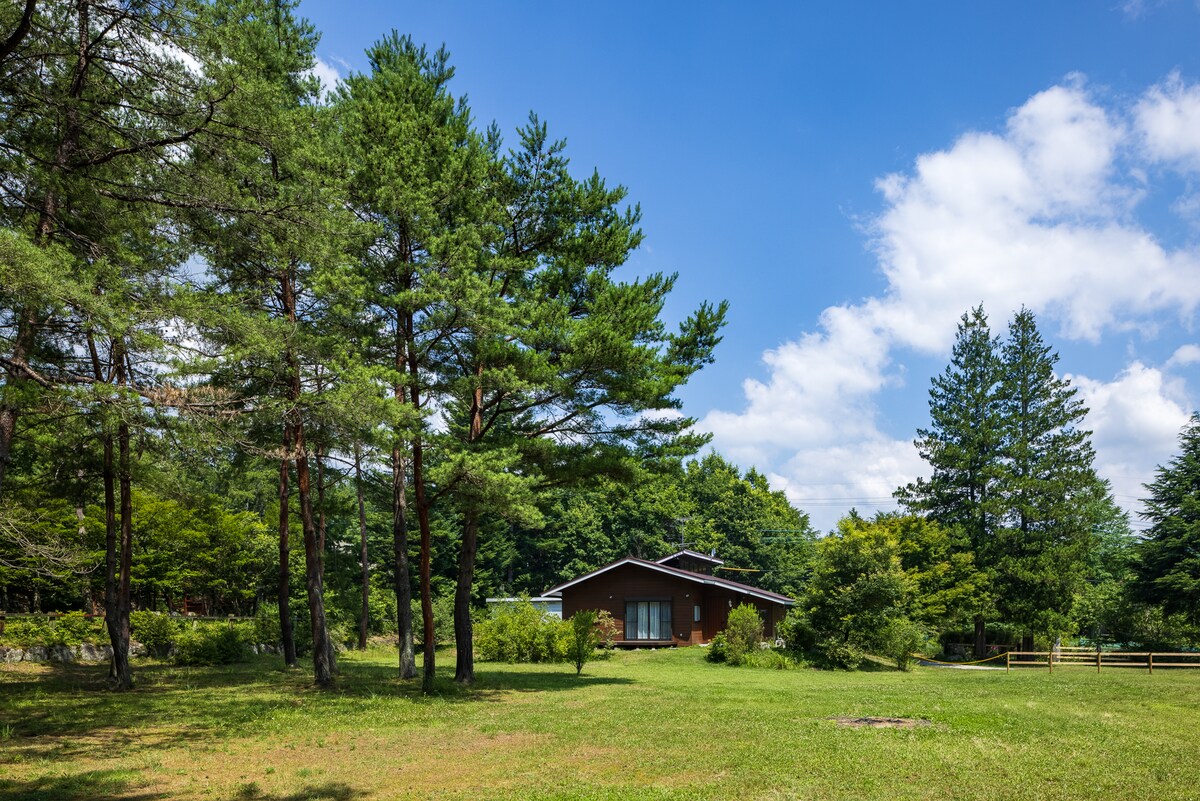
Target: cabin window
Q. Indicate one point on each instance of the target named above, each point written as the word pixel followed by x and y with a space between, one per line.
pixel 647 620
pixel 696 613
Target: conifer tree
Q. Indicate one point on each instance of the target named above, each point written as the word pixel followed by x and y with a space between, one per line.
pixel 962 446
pixel 1046 487
pixel 1167 562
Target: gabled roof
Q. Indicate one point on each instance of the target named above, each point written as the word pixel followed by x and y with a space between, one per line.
pixel 698 578
pixel 685 552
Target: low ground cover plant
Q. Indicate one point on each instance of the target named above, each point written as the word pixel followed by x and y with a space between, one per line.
pixel 71 628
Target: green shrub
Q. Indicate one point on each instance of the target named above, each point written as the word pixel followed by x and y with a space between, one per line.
pixel 900 639
pixel 769 658
pixel 75 628
pixel 215 644
pixel 718 648
pixel 836 653
pixel 520 632
pixel 608 628
pixel 266 625
pixel 154 630
pixel 72 628
pixel 584 638
pixel 743 632
pixel 798 632
pixel 24 632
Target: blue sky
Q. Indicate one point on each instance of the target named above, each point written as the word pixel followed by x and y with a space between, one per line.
pixel 854 176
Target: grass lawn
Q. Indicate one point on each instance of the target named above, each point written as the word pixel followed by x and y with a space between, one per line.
pixel 643 725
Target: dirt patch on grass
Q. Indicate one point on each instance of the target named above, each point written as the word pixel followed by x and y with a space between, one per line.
pixel 882 723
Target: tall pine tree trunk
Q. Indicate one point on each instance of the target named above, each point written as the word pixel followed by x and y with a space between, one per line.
pixel 118 621
pixel 321 647
pixel 286 635
pixel 429 644
pixel 118 541
pixel 365 615
pixel 464 670
pixel 9 406
pixel 402 580
pixel 319 455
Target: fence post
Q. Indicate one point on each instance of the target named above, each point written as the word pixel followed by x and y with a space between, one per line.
pixel 1050 661
pixel 1097 658
pixel 1007 662
pixel 1150 662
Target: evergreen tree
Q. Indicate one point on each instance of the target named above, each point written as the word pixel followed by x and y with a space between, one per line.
pixel 962 446
pixel 1046 487
pixel 1167 562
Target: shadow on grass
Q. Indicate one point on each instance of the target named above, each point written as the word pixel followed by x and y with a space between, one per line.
pixel 492 681
pixel 114 784
pixel 61 713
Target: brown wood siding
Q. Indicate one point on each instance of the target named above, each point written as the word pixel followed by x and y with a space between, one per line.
pixel 609 591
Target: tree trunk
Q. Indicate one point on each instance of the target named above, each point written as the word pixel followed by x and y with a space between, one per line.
pixel 322 665
pixel 980 638
pixel 8 399
pixel 402 580
pixel 364 617
pixel 464 670
pixel 318 454
pixel 321 648
pixel 119 628
pixel 286 635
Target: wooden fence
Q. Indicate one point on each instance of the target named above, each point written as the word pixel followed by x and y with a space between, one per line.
pixel 1082 657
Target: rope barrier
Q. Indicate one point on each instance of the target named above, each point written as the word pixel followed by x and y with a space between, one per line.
pixel 955 664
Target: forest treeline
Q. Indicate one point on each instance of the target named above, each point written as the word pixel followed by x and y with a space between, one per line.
pixel 346 353
pixel 213 264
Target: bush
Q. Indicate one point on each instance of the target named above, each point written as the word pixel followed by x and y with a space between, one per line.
pixel 24 632
pixel 836 653
pixel 743 633
pixel 75 628
pixel 718 648
pixel 218 644
pixel 900 639
pixel 520 632
pixel 154 630
pixel 608 629
pixel 584 638
pixel 267 630
pixel 798 632
pixel 769 658
pixel 72 628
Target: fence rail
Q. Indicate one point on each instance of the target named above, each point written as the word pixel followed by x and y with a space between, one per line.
pixel 1079 657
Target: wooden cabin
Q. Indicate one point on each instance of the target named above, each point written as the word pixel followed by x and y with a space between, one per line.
pixel 676 600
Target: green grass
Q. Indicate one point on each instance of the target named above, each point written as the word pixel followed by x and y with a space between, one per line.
pixel 643 725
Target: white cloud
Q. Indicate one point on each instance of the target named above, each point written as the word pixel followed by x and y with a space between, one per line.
pixel 1168 121
pixel 1184 355
pixel 327 74
pixel 1040 214
pixel 1135 421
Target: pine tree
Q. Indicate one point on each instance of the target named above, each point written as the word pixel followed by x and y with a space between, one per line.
pixel 963 443
pixel 1047 487
pixel 1167 564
